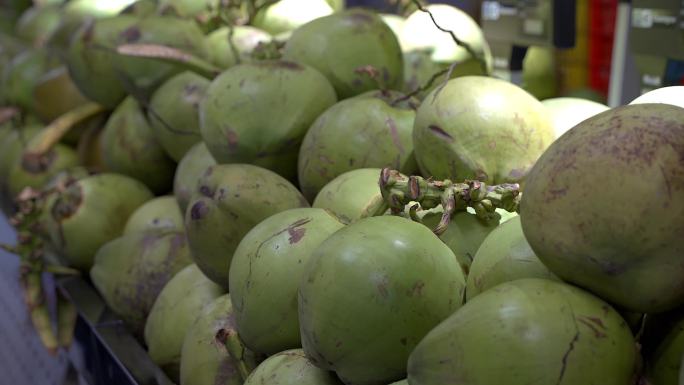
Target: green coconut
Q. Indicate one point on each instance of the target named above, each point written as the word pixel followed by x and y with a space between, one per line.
pixel 131 271
pixel 527 331
pixel 56 94
pixel 174 311
pixel 367 131
pixel 383 279
pixel 158 214
pixel 228 201
pixel 38 23
pixel 22 74
pixel 129 146
pixel 173 113
pixel 480 128
pixel 245 38
pixel 265 273
pixel 12 146
pixel 601 207
pixel 35 173
pixel 288 15
pixel 188 172
pixel 75 13
pixel 504 256
pixel 352 195
pixel 464 235
pixel 258 113
pixel 569 112
pixel 91 212
pixel 420 33
pixel 105 76
pixel 667 95
pixel 357 39
pixel 204 358
pixel 290 367
pixel 539 73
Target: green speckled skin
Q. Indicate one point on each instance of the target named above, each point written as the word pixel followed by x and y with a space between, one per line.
pixel 131 271
pixel 158 214
pixel 265 273
pixel 602 208
pixel 361 132
pixel 352 195
pixel 188 172
pixel 290 367
pixel 128 146
pixel 173 113
pixel 99 207
pixel 258 113
pixel 355 38
pixel 174 311
pixel 371 292
pixel 229 200
pixel 530 331
pixel 504 256
pixel 480 128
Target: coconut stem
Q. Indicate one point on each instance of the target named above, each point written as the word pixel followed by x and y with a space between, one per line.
pixel 242 357
pixel 162 52
pixel 399 190
pixel 54 132
pixel 455 38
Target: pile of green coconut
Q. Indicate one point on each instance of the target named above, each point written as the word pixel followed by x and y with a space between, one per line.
pixel 298 193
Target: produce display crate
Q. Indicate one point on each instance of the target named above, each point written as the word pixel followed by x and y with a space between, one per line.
pixel 105 352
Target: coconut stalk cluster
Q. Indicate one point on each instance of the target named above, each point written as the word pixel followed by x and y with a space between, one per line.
pixel 271 193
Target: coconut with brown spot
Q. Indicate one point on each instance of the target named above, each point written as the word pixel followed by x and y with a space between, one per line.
pixel 265 273
pixel 229 200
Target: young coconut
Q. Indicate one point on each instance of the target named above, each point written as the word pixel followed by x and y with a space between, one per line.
pixel 36 24
pixel 480 128
pixel 258 113
pixel 129 147
pixel 265 272
pixel 420 33
pixel 352 195
pixel 173 313
pixel 22 74
pixel 173 113
pixel 527 331
pixel 131 271
pixel 624 169
pixel 667 95
pixel 291 367
pixel 35 172
pixel 382 279
pixel 90 212
pixel 105 76
pixel 205 359
pixel 360 41
pixel 288 15
pixel 188 172
pixel 226 51
pixel 569 112
pixel 158 214
pixel 504 256
pixel 229 200
pixel 370 130
pixel 12 147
